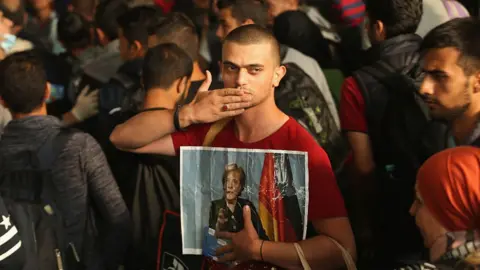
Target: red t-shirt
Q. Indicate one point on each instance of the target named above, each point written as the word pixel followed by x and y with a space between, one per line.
pixel 352 107
pixel 325 198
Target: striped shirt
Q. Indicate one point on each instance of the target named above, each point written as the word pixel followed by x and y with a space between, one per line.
pixel 455 9
pixel 437 12
pixel 352 12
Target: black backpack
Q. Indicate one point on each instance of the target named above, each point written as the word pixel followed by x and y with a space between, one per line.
pixel 403 137
pixel 150 186
pixel 12 252
pixel 29 196
pixel 299 97
pixel 401 130
pixel 123 92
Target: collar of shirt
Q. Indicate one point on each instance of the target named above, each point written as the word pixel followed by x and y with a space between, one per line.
pixel 474 136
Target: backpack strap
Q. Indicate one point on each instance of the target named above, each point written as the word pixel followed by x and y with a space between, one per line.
pixel 214 130
pixel 379 73
pixel 50 150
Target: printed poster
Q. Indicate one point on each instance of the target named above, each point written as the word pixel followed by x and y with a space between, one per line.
pixel 216 183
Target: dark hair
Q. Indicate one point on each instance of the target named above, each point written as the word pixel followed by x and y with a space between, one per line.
pixel 398 16
pixel 134 24
pixel 243 10
pixel 23 82
pixel 234 168
pixel 294 29
pixel 74 31
pixel 254 34
pixel 85 7
pixel 107 14
pixel 164 64
pixel 177 28
pixel 462 34
pixel 16 16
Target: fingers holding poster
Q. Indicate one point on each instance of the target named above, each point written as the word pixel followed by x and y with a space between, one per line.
pixel 217 184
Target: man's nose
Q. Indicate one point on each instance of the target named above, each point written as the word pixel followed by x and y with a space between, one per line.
pixel 242 77
pixel 219 32
pixel 426 88
pixel 413 209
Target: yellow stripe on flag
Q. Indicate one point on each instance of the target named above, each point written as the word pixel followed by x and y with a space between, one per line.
pixel 270 225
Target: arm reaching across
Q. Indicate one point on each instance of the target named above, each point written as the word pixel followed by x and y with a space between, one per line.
pixel 155 126
pixel 85 107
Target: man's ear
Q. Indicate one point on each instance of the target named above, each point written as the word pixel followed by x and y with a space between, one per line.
pixel 48 91
pixel 476 83
pixel 136 47
pixel 102 38
pixel 182 83
pixel 380 30
pixel 248 21
pixel 278 75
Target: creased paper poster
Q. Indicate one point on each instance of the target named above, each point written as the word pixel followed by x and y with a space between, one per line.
pixel 216 183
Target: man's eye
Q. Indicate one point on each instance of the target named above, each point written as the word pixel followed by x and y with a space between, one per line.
pixel 231 68
pixel 255 70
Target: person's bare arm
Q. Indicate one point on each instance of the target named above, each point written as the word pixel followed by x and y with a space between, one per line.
pixel 69 119
pixel 162 146
pixel 145 128
pixel 148 127
pixel 363 187
pixel 320 251
pixel 362 153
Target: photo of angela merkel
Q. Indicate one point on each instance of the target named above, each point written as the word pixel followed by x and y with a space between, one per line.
pixel 226 214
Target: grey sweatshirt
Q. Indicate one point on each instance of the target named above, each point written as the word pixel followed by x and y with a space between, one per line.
pixel 83 179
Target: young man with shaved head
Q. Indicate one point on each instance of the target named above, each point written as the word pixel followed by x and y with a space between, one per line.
pixel 251 70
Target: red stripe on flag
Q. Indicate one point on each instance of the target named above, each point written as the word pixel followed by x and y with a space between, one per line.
pixel 276 224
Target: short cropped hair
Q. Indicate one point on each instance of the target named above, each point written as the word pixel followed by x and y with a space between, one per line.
pixel 107 14
pixel 234 168
pixel 74 31
pixel 23 82
pixel 177 28
pixel 398 16
pixel 243 10
pixel 254 34
pixel 164 64
pixel 134 24
pixel 462 34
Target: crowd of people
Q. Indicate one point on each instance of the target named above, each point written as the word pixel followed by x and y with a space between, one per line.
pixel 98 96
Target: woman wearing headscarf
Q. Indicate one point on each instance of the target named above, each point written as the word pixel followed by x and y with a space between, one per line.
pixel 447 209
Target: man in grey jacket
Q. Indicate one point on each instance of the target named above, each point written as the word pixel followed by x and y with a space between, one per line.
pixel 80 172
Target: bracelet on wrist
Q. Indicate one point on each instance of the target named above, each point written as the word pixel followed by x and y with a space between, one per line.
pixel 176 120
pixel 261 250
